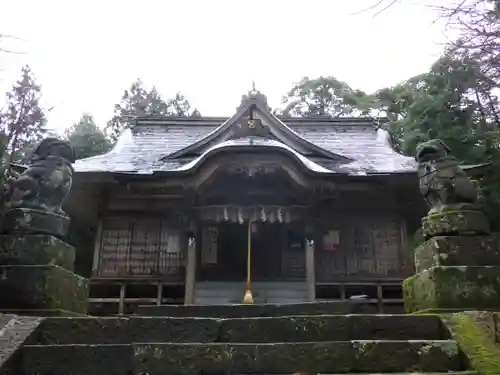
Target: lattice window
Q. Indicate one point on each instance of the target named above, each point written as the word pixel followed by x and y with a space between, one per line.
pixel 140 247
pixel 361 260
pixel 144 247
pixel 115 247
pixel 171 256
pixel 387 243
pixel 369 247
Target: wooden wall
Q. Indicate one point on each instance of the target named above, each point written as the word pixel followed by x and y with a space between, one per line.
pixel 369 247
pixel 140 246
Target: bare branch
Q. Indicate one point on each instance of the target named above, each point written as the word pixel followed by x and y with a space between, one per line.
pixel 8 36
pixel 386 7
pixel 379 2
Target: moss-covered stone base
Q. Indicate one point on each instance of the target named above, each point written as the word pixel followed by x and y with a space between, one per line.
pixel 455 222
pixel 31 221
pixel 476 339
pixel 457 287
pixel 42 287
pixel 36 249
pixel 458 251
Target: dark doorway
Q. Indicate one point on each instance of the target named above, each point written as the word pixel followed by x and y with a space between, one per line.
pixel 268 242
pixel 231 262
pixel 267 246
pixel 233 251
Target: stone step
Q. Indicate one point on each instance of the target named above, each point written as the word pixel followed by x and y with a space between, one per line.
pixel 272 358
pixel 114 330
pixel 386 373
pixel 467 372
pixel 247 311
pixel 14 332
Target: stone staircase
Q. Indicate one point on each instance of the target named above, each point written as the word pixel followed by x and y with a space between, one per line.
pixel 186 345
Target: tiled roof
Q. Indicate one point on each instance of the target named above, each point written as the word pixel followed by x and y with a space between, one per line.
pixel 141 149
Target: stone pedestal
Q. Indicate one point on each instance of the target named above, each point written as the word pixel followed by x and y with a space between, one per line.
pixel 455 222
pixel 29 221
pixel 458 267
pixel 36 276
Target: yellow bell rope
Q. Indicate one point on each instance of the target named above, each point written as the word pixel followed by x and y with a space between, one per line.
pixel 248 298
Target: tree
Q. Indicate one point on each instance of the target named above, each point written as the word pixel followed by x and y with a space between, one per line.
pixel 446 102
pixel 22 120
pixel 455 102
pixel 137 101
pixel 324 96
pixel 87 138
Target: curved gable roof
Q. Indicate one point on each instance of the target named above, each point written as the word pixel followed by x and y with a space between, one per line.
pixel 254 107
pixel 251 142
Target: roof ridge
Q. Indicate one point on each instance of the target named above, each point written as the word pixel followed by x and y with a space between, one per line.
pixel 216 120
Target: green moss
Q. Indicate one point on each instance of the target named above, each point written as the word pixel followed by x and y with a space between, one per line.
pixel 480 349
pixel 44 287
pixel 453 287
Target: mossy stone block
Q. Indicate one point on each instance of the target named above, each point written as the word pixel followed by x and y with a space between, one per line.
pixel 453 287
pixel 282 358
pixel 77 359
pixel 455 222
pixel 32 221
pixel 36 249
pixel 476 340
pixel 42 287
pixel 458 251
pixel 276 358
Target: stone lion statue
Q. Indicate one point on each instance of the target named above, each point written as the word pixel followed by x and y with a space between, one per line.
pixel 442 182
pixel 46 182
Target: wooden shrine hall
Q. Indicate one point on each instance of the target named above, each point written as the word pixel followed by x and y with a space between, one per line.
pixel 199 210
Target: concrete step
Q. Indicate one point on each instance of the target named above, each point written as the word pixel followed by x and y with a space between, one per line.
pixel 114 330
pixel 246 311
pixel 216 358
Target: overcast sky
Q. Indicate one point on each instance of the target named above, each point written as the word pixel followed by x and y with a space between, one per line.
pixel 85 53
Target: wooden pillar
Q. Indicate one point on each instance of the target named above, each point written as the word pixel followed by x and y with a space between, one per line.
pixel 121 302
pixel 190 270
pixel 310 271
pixel 97 249
pixel 159 294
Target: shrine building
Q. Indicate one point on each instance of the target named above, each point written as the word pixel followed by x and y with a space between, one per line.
pixel 191 210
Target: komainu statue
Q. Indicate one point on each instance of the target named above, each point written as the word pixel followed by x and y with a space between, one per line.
pixel 442 182
pixel 35 197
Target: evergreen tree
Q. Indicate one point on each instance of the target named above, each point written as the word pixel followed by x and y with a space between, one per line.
pixel 22 120
pixel 137 101
pixel 87 138
pixel 324 96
